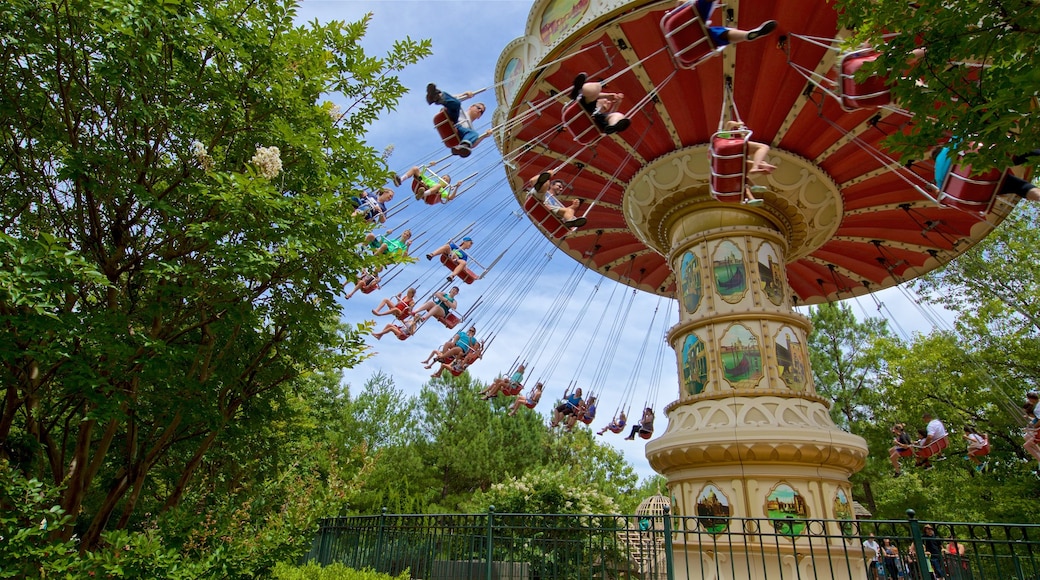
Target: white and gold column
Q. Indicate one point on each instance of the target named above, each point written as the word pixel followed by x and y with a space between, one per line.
pixel 748 436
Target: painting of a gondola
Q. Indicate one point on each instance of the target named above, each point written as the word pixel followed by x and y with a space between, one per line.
pixel 843 512
pixel 694 365
pixel 787 509
pixel 741 354
pixel 690 277
pixel 730 272
pixel 791 359
pixel 713 510
pixel 559 16
pixel 771 273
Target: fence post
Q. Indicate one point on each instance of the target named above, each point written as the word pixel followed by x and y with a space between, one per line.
pixel 323 542
pixel 669 563
pixel 923 562
pixel 490 536
pixel 379 542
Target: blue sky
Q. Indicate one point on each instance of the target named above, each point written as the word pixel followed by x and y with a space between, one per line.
pixel 576 346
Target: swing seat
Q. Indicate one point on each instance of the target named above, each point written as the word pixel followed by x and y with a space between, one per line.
pixel 729 165
pixel 513 389
pixel 982 451
pixel 429 199
pixel 369 289
pixel 450 320
pixel 401 310
pixel 449 134
pixel 646 434
pixel 456 373
pixel 402 337
pixel 934 448
pixel 686 36
pixel 543 217
pixel 963 190
pixel 587 420
pixel 466 275
pixel 871 92
pixel 531 404
pixel 580 124
pixel 614 428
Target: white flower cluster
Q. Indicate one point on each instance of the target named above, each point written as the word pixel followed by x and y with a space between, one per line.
pixel 267 161
pixel 577 498
pixel 388 151
pixel 198 151
pixel 334 111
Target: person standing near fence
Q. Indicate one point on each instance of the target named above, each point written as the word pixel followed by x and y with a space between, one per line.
pixel 870 552
pixel 933 545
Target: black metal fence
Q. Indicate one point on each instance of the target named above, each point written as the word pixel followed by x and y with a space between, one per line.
pixel 543 547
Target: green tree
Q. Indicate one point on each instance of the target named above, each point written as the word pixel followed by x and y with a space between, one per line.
pixel 989 102
pixel 172 234
pixel 847 359
pixel 467 444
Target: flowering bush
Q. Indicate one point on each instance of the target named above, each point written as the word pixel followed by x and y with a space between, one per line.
pixel 546 491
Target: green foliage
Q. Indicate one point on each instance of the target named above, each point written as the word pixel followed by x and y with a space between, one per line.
pixel 29 511
pixel 335 571
pixel 847 357
pixel 172 236
pixel 986 103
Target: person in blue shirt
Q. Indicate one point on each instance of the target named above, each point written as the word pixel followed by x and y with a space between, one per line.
pixel 456 252
pixel 457 347
pixel 616 425
pixel 586 413
pixel 509 386
pixel 944 158
pixel 373 205
pixel 568 408
pixel 438 307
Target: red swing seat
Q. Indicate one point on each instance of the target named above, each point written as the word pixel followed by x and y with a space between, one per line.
pixel 450 320
pixel 513 389
pixel 729 165
pixel 456 373
pixel 579 122
pixel 934 448
pixel 401 310
pixel 429 199
pixel 869 93
pixel 962 190
pixel 466 275
pixel 615 428
pixel 369 288
pixel 646 434
pixel 449 134
pixel 982 451
pixel 686 36
pixel 587 420
pixel 545 218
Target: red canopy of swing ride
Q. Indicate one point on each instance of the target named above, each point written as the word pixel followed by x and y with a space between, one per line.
pixel 889 230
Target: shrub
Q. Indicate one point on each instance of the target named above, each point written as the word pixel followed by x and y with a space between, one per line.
pixel 336 571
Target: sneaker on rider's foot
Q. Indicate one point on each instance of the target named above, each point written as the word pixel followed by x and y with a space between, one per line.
pixel 762 30
pixel 433 95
